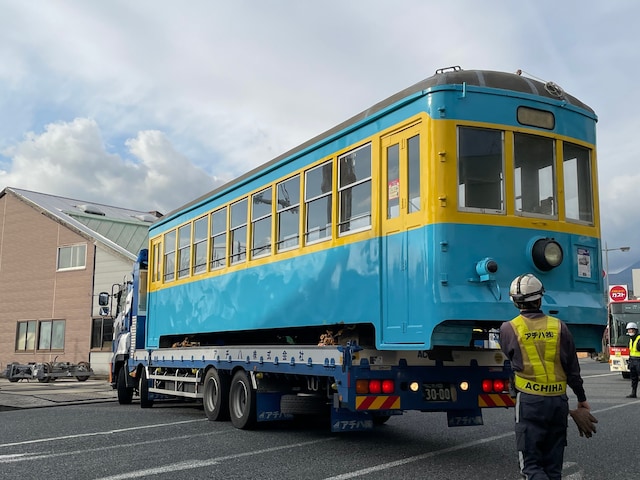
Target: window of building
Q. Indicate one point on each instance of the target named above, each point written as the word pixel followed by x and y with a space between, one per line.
pixel 317 198
pixel 578 192
pixel 170 256
pixel 102 333
pixel 238 231
pixel 480 170
pixel 261 204
pixel 219 238
pixel 72 257
pixel 288 213
pixel 534 159
pixel 354 189
pixel 200 234
pixel 184 250
pixel 51 335
pixel 26 336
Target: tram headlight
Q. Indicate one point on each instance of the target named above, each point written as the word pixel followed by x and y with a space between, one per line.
pixel 546 254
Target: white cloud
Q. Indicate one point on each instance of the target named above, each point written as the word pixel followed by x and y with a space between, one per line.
pixel 70 159
pixel 221 87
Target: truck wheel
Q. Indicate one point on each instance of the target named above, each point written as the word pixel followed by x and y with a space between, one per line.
pixel 215 397
pixel 46 369
pixel 303 404
pixel 626 375
pixel 242 402
pixel 143 388
pixel 381 419
pixel 125 394
pixel 82 367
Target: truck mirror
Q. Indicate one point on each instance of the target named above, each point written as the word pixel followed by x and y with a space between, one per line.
pixel 103 299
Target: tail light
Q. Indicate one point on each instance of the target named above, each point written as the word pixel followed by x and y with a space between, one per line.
pixel 375 386
pixel 496 385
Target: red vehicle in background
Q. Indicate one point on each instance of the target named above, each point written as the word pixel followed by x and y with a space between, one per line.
pixel 621 313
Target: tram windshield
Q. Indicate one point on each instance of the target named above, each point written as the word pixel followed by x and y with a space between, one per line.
pixel 481 163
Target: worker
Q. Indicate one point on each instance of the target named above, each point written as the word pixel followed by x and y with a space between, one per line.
pixel 544 361
pixel 634 357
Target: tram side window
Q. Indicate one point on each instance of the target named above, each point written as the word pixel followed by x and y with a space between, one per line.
pixel 413 171
pixel 480 169
pixel 535 176
pixel 200 229
pixel 184 250
pixel 238 231
pixel 261 203
pixel 288 209
pixel 219 239
pixel 157 259
pixel 577 183
pixel 317 198
pixel 170 256
pixel 354 189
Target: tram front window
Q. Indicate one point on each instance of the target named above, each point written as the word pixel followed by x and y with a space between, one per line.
pixel 480 170
pixel 535 175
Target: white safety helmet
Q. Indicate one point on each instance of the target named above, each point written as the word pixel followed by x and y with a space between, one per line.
pixel 526 288
pixel 631 325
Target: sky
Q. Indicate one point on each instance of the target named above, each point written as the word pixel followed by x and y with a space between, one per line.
pixel 149 104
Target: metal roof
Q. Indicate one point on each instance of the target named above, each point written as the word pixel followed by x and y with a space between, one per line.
pixel 122 230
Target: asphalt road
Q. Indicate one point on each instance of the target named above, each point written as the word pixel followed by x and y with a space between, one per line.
pixel 174 440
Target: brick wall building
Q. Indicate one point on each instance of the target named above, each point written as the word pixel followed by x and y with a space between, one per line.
pixel 56 255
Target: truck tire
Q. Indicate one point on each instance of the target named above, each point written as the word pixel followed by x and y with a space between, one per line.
pixel 47 368
pixel 215 396
pixel 303 404
pixel 242 401
pixel 125 394
pixel 143 388
pixel 82 367
pixel 626 375
pixel 380 419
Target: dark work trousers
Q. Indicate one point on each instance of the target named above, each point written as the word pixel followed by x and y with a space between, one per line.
pixel 541 435
pixel 634 370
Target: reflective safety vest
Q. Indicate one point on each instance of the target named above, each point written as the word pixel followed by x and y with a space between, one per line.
pixel 539 342
pixel 634 345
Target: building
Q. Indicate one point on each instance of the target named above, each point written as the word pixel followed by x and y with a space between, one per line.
pixel 56 255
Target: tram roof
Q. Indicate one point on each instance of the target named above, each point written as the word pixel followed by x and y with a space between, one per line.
pixel 446 76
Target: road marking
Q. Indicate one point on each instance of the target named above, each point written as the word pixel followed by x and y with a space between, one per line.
pixel 601 375
pixel 191 464
pixel 21 457
pixel 94 434
pixel 417 458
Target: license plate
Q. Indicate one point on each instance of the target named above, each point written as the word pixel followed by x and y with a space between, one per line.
pixel 437 392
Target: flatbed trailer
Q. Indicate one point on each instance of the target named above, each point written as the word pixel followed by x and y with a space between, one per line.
pixel 357 387
pixel 48 371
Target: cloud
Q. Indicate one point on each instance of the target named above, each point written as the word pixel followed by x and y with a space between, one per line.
pixel 218 89
pixel 70 159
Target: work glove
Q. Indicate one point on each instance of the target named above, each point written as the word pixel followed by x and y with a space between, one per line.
pixel 584 421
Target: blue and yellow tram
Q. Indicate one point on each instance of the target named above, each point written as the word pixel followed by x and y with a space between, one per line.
pixel 402 227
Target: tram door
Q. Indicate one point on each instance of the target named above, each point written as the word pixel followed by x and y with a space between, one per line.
pixel 403 266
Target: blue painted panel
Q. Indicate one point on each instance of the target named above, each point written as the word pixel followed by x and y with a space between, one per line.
pixel 443 295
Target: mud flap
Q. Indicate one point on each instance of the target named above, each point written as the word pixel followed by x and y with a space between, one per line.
pixel 268 407
pixel 465 418
pixel 343 420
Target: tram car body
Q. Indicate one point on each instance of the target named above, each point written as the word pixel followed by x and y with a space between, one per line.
pixel 400 228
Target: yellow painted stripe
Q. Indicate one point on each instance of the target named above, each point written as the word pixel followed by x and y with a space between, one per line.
pixel 385 402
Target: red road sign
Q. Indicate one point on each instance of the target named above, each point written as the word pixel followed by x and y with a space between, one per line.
pixel 618 293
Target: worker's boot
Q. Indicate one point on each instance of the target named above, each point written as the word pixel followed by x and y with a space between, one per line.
pixel 633 394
